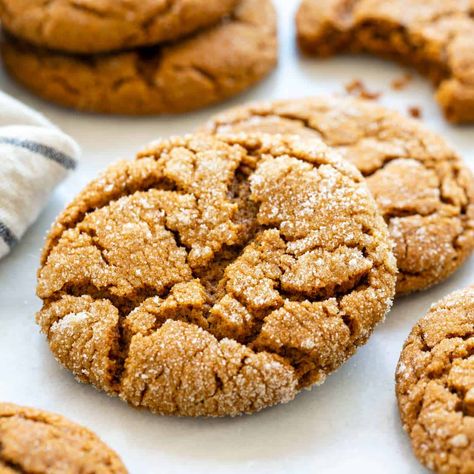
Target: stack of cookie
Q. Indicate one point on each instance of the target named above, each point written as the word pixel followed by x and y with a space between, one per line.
pixel 139 57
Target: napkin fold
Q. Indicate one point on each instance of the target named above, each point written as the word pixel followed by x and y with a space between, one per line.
pixel 35 156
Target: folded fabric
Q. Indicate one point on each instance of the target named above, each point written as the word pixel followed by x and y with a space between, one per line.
pixel 35 156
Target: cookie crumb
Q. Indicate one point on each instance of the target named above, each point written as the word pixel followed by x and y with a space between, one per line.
pixel 357 88
pixel 401 82
pixel 415 111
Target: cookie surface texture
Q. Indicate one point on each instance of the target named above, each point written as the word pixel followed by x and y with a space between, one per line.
pixel 206 68
pixel 94 26
pixel 196 281
pixel 36 441
pixel 435 37
pixel 422 188
pixel 435 385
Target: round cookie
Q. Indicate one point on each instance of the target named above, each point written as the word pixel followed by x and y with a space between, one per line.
pixel 423 189
pixel 435 385
pixel 197 281
pixel 45 443
pixel 206 68
pixel 436 37
pixel 95 26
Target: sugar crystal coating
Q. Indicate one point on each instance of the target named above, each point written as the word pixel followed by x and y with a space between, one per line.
pixel 216 276
pixel 39 442
pixel 435 385
pixel 423 189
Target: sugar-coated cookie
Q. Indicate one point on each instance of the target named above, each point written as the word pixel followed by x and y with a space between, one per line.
pixel 197 280
pixel 40 442
pixel 435 385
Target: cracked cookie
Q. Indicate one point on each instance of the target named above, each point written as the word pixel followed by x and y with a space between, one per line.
pixel 216 276
pixel 209 67
pixel 422 188
pixel 435 385
pixel 436 37
pixel 45 443
pixel 95 26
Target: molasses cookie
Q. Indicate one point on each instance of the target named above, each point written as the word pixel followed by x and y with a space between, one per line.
pixel 422 188
pixel 436 37
pixel 216 276
pixel 44 443
pixel 435 385
pixel 94 26
pixel 206 68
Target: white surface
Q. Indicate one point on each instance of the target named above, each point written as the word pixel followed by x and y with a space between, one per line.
pixel 350 424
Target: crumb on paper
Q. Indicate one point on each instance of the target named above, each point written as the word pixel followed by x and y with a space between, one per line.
pixel 358 89
pixel 415 111
pixel 401 82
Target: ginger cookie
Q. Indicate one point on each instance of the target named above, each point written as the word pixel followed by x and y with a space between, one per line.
pixel 95 26
pixel 216 276
pixel 435 385
pixel 422 188
pixel 435 37
pixel 45 443
pixel 209 67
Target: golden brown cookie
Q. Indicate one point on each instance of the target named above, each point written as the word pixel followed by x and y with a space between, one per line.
pixel 424 191
pixel 94 26
pixel 45 443
pixel 435 385
pixel 196 280
pixel 434 36
pixel 206 68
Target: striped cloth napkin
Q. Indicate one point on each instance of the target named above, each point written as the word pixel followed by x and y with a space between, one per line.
pixel 34 157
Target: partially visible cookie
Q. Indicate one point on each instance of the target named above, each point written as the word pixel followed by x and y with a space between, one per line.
pixel 209 67
pixel 424 191
pixel 434 36
pixel 94 26
pixel 435 385
pixel 45 443
pixel 197 280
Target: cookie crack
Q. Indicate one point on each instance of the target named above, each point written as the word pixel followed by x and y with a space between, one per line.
pixel 162 10
pixel 9 463
pixel 65 84
pixel 206 74
pixel 13 466
pixel 163 184
pixel 89 10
